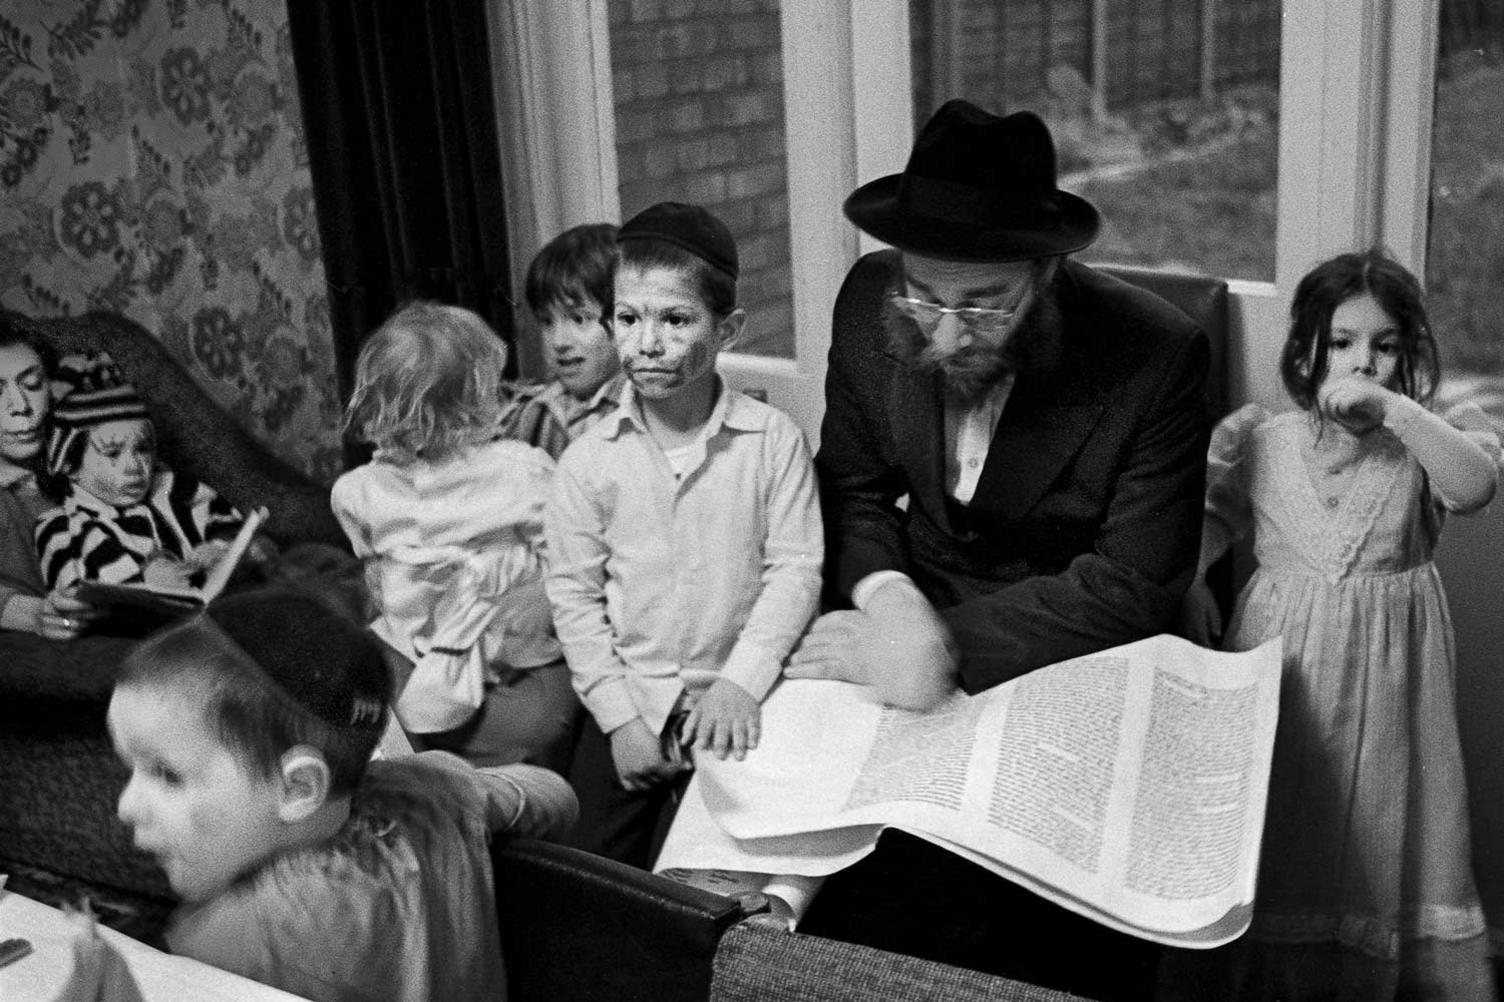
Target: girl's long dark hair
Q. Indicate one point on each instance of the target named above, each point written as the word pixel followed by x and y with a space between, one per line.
pixel 1303 363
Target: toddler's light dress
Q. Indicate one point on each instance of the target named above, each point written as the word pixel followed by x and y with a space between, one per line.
pixel 1366 879
pixel 454 564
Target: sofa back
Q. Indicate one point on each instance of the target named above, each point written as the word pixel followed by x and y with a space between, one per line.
pixel 194 434
pixel 758 961
pixel 1204 299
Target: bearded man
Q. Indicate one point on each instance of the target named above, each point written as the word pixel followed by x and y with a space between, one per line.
pixel 1011 470
pixel 1013 452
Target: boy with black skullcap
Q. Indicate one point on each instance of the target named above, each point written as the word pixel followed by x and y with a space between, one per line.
pixel 683 531
pixel 248 731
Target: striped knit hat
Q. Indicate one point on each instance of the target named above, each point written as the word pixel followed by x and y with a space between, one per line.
pixel 84 408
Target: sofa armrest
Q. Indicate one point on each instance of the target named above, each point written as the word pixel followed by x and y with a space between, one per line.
pixel 758 962
pixel 38 676
pixel 576 926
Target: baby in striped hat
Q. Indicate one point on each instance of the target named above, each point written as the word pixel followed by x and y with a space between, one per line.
pixel 123 517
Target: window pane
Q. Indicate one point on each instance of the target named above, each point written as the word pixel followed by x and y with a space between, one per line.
pixel 699 118
pixel 1465 257
pixel 1464 265
pixel 1177 141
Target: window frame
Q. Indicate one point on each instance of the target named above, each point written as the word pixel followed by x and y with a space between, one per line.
pixel 1352 169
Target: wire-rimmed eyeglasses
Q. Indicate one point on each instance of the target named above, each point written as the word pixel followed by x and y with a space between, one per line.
pixel 977 320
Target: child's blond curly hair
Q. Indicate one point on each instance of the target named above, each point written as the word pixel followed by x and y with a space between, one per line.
pixel 427 383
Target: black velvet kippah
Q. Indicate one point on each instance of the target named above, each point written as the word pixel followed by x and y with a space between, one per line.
pixel 323 662
pixel 692 227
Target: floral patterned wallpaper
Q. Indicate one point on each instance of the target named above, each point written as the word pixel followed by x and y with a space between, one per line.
pixel 152 163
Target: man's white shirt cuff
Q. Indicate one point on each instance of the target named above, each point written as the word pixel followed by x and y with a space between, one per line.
pixel 868 586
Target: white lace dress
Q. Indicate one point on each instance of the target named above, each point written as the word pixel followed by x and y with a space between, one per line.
pixel 1367 868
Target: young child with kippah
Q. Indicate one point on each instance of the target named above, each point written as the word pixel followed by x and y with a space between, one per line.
pixel 248 731
pixel 684 532
pixel 124 517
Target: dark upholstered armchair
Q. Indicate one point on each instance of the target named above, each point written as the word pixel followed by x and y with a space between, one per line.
pixel 578 928
pixel 1202 298
pixel 1205 300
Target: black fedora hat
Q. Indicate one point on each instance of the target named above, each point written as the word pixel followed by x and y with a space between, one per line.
pixel 976 188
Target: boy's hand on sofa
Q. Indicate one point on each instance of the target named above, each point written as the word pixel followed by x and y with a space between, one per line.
pixel 638 755
pixel 726 720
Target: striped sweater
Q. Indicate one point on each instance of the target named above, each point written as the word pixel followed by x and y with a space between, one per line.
pixel 88 540
pixel 544 415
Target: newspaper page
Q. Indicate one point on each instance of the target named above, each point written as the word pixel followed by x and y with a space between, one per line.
pixel 1128 785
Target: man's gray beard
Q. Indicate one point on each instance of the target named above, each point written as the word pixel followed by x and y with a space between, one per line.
pixel 1031 349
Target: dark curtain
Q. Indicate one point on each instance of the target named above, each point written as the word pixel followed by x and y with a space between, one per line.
pixel 401 134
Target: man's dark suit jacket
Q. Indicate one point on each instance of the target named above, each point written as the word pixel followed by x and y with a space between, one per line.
pixel 1084 528
pixel 1082 534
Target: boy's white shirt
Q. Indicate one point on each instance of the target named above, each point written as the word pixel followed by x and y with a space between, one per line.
pixel 661 583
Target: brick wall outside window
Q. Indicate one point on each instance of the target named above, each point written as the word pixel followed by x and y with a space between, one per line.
pixel 699 118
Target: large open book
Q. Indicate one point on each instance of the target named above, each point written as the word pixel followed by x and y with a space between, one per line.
pixel 1127 786
pixel 171 600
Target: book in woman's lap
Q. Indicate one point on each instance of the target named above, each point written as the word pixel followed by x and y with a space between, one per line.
pixel 174 600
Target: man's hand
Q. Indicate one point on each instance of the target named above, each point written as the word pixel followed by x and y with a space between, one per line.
pixel 725 720
pixel 640 764
pixel 897 646
pixel 832 649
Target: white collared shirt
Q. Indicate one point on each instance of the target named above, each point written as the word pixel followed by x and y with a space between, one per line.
pixel 968 438
pixel 663 583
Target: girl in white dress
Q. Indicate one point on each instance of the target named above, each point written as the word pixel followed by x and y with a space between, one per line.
pixel 447 518
pixel 1366 886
